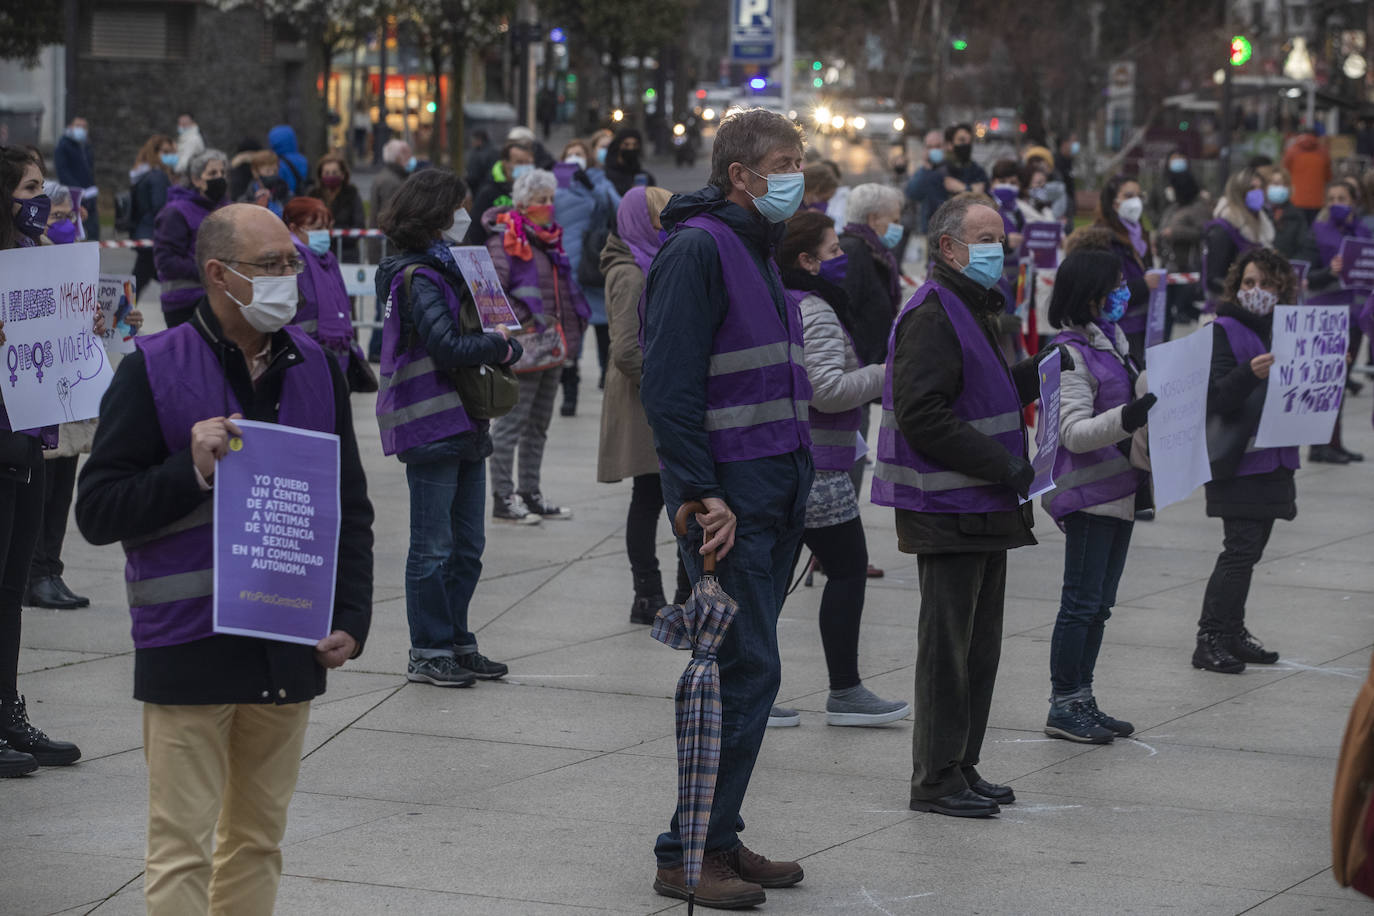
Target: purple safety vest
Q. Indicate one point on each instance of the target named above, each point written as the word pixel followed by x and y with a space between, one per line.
pixel 757 392
pixel 1246 345
pixel 1133 322
pixel 834 436
pixel 169 573
pixel 183 292
pixel 1105 474
pixel 416 402
pixel 907 479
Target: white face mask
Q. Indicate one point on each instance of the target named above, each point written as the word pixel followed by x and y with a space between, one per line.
pixel 459 230
pixel 1257 300
pixel 273 304
pixel 579 161
pixel 1130 209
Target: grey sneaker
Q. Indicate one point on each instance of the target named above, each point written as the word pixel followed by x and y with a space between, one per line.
pixel 782 717
pixel 442 671
pixel 513 509
pixel 860 706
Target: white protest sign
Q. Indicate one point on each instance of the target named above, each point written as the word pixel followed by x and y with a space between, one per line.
pixel 1047 444
pixel 1178 376
pixel 115 296
pixel 1307 379
pixel 54 368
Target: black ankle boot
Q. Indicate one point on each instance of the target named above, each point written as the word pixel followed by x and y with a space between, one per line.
pixel 22 736
pixel 569 380
pixel 1212 654
pixel 1249 649
pixel 648 598
pixel 15 763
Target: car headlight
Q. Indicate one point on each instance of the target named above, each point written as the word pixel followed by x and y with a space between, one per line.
pixel 822 115
pixel 860 123
pixel 709 114
pixel 837 122
pixel 899 124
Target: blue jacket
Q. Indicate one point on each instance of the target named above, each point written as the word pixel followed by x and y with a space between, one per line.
pixel 75 163
pixel 282 139
pixel 685 302
pixel 579 208
pixel 430 319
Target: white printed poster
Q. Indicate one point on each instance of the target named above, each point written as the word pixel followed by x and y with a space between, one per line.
pixel 1307 380
pixel 54 368
pixel 1178 376
pixel 116 297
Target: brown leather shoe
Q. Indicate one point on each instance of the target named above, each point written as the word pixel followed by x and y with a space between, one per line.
pixel 753 867
pixel 720 888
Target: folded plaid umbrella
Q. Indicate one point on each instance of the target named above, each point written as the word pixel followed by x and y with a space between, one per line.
pixel 698 624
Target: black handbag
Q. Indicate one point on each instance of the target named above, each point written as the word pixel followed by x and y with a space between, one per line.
pixel 1229 434
pixel 19 454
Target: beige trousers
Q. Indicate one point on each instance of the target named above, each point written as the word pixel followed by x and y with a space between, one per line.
pixel 227 771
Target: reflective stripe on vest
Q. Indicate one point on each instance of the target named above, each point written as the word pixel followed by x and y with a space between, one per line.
pixel 166 589
pixel 929 481
pixel 1092 473
pixel 746 415
pixel 754 358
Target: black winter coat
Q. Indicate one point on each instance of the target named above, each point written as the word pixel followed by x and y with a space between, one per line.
pixel 1271 495
pixel 430 319
pixel 347 210
pixel 131 485
pixel 868 283
pixel 928 375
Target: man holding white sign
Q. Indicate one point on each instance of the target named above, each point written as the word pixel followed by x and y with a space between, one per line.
pixel 224 716
pixel 1251 486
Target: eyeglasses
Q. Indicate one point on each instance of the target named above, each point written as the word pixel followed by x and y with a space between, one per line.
pixel 289 267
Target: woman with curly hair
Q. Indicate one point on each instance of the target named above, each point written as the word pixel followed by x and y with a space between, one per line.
pixel 1250 487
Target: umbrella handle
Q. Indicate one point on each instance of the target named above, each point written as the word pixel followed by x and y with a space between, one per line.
pixel 685 511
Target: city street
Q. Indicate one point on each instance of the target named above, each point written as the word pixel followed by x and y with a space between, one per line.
pixel 542 793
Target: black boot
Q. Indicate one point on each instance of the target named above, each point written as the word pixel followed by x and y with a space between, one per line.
pixel 81 600
pixel 15 763
pixel 45 592
pixel 684 584
pixel 648 598
pixel 569 380
pixel 22 736
pixel 1249 649
pixel 1212 654
pixel 1326 454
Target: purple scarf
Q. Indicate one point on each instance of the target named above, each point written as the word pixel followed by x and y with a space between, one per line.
pixel 1137 237
pixel 635 230
pixel 882 254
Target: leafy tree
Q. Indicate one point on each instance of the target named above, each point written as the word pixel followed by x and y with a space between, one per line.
pixel 26 28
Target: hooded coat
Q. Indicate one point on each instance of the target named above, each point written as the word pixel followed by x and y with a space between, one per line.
pixel 294 167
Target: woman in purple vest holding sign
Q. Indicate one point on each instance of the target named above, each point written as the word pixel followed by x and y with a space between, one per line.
pixel 423 422
pixel 1250 487
pixel 1338 220
pixel 526 246
pixel 23 748
pixel 1095 497
pixel 841 385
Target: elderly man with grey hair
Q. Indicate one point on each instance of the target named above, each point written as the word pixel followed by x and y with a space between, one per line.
pixel 175 228
pixel 224 716
pixel 953 461
pixel 726 393
pixel 526 246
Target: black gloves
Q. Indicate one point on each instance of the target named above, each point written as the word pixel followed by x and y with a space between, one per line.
pixel 1019 475
pixel 1065 357
pixel 1134 415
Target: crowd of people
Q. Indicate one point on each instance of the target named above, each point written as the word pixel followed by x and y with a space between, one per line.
pixel 744 331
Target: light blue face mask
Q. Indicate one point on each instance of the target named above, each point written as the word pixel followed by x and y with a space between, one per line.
pixel 936 156
pixel 1178 165
pixel 985 261
pixel 317 240
pixel 893 235
pixel 1117 301
pixel 170 160
pixel 518 170
pixel 784 195
pixel 601 155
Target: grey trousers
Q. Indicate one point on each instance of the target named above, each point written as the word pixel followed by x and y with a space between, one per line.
pixel 526 426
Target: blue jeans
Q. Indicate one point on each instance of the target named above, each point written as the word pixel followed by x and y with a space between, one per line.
pixel 447 536
pixel 768 497
pixel 1094 556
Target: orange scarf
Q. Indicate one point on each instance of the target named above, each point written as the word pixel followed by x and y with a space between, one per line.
pixel 516 241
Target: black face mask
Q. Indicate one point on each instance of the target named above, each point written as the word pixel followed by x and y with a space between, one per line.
pixel 215 188
pixel 963 151
pixel 629 158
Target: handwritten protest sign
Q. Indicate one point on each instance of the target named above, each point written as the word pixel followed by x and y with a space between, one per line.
pixel 55 368
pixel 1178 423
pixel 474 261
pixel 1047 430
pixel 1307 379
pixel 1357 263
pixel 116 297
pixel 1158 309
pixel 277 533
pixel 1042 242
